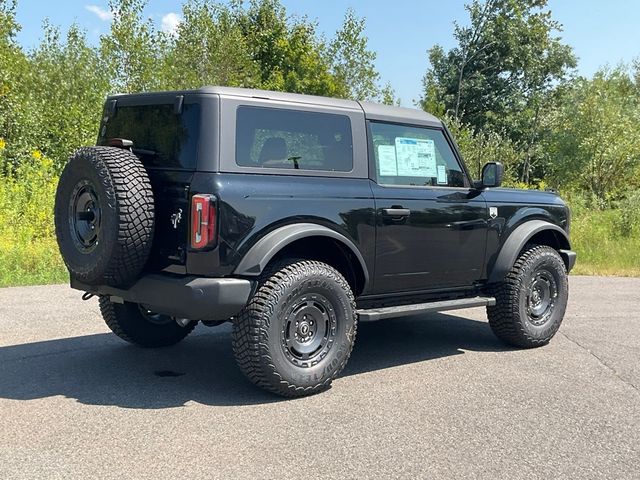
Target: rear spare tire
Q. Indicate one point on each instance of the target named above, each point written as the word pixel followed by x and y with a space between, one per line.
pixel 104 216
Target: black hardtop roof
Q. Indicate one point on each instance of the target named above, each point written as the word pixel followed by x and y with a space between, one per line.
pixel 372 111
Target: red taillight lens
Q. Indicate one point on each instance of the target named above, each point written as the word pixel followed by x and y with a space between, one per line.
pixel 203 221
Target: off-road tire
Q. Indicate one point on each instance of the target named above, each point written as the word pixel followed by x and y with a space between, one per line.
pixel 511 318
pixel 128 322
pixel 124 222
pixel 260 329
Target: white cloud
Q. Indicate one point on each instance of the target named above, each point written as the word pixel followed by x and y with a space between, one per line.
pixel 104 15
pixel 170 23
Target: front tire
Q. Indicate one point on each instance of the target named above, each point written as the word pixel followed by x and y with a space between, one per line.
pixel 135 324
pixel 297 332
pixel 532 299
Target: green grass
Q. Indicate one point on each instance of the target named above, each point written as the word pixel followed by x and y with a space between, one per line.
pixel 34 263
pixel 601 249
pixel 28 250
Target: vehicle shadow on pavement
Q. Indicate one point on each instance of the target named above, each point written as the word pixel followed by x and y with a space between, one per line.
pixel 102 370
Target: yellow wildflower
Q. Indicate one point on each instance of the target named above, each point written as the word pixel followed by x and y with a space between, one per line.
pixel 37 154
pixel 3 144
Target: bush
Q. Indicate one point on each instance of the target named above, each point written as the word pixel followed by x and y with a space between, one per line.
pixel 28 250
pixel 627 221
pixel 607 241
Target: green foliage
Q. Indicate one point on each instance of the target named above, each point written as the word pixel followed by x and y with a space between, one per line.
pixel 388 96
pixel 28 250
pixel 69 113
pixel 501 75
pixel 17 123
pixel 595 145
pixel 252 44
pixel 602 248
pixel 503 59
pixel 131 51
pixel 353 63
pixel 627 222
pixel 289 54
pixel 209 49
pixel 478 148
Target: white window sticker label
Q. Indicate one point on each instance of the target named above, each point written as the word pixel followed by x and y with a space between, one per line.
pixel 387 161
pixel 416 157
pixel 442 175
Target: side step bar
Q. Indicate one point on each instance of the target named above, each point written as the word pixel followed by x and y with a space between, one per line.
pixel 373 314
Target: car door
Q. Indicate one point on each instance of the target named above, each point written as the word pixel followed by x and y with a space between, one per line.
pixel 431 227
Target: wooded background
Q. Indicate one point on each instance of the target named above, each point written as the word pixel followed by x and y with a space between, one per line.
pixel 508 90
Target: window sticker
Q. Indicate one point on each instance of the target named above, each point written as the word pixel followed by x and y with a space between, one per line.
pixel 416 157
pixel 387 161
pixel 442 175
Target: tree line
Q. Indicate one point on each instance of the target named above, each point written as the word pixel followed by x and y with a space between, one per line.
pixel 508 89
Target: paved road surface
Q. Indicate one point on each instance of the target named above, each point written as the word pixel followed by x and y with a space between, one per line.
pixel 424 397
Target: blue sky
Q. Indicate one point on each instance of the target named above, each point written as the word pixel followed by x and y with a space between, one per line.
pixel 400 31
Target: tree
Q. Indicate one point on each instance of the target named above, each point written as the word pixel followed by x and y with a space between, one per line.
pixel 595 144
pixel 209 49
pixel 504 57
pixel 352 61
pixel 502 74
pixel 288 53
pixel 16 119
pixel 131 50
pixel 388 95
pixel 70 87
pixel 478 148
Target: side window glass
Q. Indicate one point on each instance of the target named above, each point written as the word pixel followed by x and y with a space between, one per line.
pixel 414 156
pixel 293 139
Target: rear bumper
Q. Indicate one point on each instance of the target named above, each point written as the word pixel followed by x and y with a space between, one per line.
pixel 195 298
pixel 569 258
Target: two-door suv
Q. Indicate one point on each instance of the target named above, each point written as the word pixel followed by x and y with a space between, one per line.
pixel 295 217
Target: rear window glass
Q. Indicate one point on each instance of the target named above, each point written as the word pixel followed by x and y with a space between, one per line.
pixel 293 139
pixel 161 138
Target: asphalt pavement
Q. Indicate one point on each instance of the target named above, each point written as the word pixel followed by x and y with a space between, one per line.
pixel 434 396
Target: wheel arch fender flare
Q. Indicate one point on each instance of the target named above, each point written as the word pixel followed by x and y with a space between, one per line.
pixel 265 249
pixel 516 241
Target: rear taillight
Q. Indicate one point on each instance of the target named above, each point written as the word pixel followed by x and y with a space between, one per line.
pixel 203 222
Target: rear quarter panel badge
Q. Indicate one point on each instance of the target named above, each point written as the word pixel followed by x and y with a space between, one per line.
pixel 176 218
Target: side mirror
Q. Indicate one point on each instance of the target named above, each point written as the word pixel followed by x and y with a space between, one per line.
pixel 492 174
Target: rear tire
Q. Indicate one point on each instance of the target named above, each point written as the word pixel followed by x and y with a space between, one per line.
pixel 135 324
pixel 297 332
pixel 532 299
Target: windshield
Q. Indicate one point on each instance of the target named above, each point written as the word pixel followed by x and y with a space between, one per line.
pixel 161 138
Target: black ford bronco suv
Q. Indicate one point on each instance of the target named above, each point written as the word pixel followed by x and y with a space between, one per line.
pixel 295 217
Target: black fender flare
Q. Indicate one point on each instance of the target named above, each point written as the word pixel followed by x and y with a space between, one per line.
pixel 260 254
pixel 519 238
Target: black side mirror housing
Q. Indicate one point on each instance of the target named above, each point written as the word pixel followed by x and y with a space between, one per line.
pixel 492 174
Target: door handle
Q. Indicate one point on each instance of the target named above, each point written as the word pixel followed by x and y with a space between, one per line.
pixel 396 212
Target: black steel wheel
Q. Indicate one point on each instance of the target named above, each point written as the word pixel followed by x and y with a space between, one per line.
pixel 85 216
pixel 542 295
pixel 297 332
pixel 309 329
pixel 532 299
